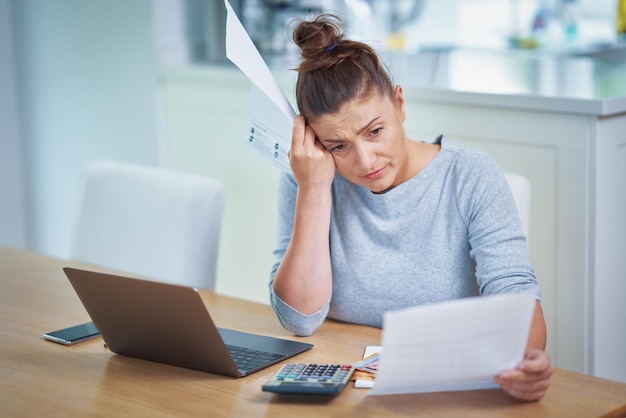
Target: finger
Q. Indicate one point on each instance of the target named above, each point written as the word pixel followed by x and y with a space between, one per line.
pixel 535 361
pixel 298 131
pixel 525 390
pixel 519 375
pixel 535 354
pixel 521 378
pixel 310 137
pixel 525 395
pixel 518 382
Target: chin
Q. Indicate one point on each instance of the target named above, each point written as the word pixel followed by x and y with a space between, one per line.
pixel 378 187
pixel 381 191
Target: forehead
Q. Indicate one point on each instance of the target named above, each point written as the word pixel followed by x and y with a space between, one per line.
pixel 352 117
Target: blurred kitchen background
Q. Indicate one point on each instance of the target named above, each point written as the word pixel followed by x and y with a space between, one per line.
pixel 564 26
pixel 538 84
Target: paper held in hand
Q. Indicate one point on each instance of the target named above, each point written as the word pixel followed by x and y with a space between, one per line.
pixel 456 345
pixel 271 114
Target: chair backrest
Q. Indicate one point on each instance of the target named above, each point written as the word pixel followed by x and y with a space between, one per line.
pixel 520 187
pixel 153 222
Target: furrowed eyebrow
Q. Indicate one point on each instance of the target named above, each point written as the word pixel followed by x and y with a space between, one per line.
pixel 335 141
pixel 368 125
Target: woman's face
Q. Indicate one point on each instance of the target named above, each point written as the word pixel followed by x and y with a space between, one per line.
pixel 367 140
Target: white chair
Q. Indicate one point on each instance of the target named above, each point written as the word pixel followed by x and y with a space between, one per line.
pixel 520 187
pixel 152 222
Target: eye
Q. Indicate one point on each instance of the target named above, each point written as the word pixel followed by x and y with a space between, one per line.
pixel 337 148
pixel 376 131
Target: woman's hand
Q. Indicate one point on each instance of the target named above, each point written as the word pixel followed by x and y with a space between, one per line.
pixel 312 165
pixel 530 379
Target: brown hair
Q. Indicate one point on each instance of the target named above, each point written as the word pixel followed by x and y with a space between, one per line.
pixel 333 69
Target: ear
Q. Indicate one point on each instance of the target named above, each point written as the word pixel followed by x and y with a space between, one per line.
pixel 399 98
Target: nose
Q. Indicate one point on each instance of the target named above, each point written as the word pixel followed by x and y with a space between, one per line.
pixel 365 155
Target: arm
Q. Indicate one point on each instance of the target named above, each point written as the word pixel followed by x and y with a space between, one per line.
pixel 303 279
pixel 499 247
pixel 538 334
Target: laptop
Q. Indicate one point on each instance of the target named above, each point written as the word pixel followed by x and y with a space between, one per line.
pixel 169 323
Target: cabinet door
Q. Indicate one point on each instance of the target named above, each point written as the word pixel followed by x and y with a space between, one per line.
pixel 610 251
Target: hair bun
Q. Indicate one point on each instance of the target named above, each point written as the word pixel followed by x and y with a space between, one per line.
pixel 334 69
pixel 317 38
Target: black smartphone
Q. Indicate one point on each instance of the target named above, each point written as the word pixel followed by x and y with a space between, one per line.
pixel 73 335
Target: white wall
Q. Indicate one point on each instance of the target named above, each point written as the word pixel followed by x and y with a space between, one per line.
pixel 12 200
pixel 207 129
pixel 86 73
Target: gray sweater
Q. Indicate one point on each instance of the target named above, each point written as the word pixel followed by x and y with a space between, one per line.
pixel 451 231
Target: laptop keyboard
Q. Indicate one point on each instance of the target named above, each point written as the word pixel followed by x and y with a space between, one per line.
pixel 249 359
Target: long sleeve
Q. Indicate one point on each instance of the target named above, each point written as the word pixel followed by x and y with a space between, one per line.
pixel 290 318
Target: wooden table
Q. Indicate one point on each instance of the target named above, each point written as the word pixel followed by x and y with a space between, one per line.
pixel 40 378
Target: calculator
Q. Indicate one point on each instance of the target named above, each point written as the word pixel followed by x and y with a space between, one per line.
pixel 310 379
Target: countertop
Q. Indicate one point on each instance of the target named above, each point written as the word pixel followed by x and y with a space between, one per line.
pixel 593 85
pixel 518 79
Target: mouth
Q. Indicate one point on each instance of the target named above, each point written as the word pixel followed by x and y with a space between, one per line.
pixel 375 175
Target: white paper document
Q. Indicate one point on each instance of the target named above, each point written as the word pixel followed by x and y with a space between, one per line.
pixel 456 345
pixel 271 114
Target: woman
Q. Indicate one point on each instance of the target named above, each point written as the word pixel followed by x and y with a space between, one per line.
pixel 381 222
